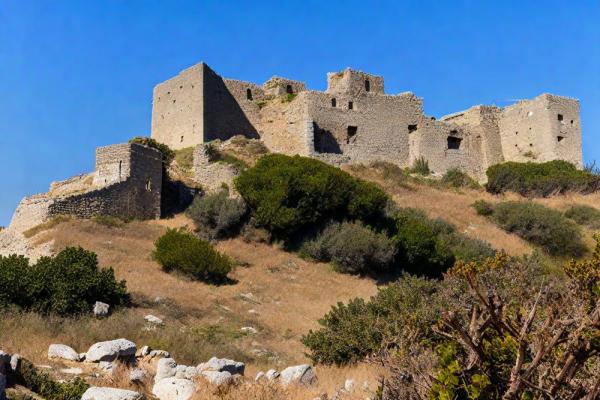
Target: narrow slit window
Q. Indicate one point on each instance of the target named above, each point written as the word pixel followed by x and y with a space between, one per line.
pixel 454 143
pixel 560 117
pixel 120 168
pixel 333 103
pixel 367 85
pixel 412 128
pixel 181 140
pixel 350 105
pixel 248 94
pixel 289 89
pixel 352 131
pixel 149 185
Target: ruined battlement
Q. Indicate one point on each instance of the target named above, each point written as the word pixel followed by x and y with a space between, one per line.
pixel 355 120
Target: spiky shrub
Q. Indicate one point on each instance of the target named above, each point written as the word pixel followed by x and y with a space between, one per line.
pixel 584 215
pixel 352 248
pixel 540 179
pixel 421 167
pixel 542 226
pixel 67 284
pixel 287 194
pixel 179 250
pixel 217 215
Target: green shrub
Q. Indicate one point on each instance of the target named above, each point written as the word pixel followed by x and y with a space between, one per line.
pixel 584 215
pixel 185 158
pixel 67 284
pixel 352 331
pixel 181 251
pixel 42 384
pixel 217 215
pixel 547 228
pixel 540 179
pixel 216 155
pixel 109 221
pixel 483 207
pixel 167 153
pixel 467 249
pixel 421 167
pixel 420 249
pixel 287 194
pixel 458 179
pixel 352 247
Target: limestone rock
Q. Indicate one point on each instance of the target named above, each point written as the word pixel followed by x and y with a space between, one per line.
pixel 349 385
pixel 103 393
pixel 159 353
pixel 143 352
pixel 72 371
pixel 259 377
pixel 174 389
pixel 218 378
pixel 63 352
pixel 152 319
pixel 137 375
pixel 249 330
pixel 101 309
pixel 166 368
pixel 299 374
pixel 221 365
pixel 272 374
pixel 110 350
pixel 15 361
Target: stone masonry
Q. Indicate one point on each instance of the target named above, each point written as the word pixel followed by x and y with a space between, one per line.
pixel 127 183
pixel 355 121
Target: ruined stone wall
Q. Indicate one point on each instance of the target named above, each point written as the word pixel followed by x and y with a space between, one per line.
pixel 354 83
pixel 445 146
pixel 365 128
pixel 212 175
pixel 565 130
pixel 30 212
pixel 277 86
pixel 178 109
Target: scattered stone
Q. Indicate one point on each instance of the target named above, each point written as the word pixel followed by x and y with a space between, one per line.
pixel 272 374
pixel 143 352
pixel 101 309
pixel 137 375
pixel 173 389
pixel 72 371
pixel 218 378
pixel 153 319
pixel 252 311
pixel 166 368
pixel 63 352
pixel 223 364
pixel 260 376
pixel 349 385
pixel 15 361
pixel 299 374
pixel 159 353
pixel 110 350
pixel 104 393
pixel 249 330
pixel 106 366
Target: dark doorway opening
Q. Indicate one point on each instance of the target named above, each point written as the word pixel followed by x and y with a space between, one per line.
pixel 454 143
pixel 352 131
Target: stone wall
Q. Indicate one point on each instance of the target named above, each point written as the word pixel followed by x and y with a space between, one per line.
pixel 212 175
pixel 136 194
pixel 277 86
pixel 354 83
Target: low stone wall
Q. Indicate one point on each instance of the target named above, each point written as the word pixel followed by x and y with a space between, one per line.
pixel 31 212
pixel 212 175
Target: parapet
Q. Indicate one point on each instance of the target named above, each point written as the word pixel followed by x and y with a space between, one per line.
pixel 354 83
pixel 277 86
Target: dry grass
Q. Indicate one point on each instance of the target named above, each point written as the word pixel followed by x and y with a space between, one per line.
pixel 59 219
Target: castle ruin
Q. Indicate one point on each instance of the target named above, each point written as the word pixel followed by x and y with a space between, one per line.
pixel 354 121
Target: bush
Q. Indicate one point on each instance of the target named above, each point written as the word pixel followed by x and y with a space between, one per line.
pixel 67 284
pixel 547 228
pixel 167 153
pixel 467 249
pixel 352 247
pixel 458 179
pixel 420 249
pixel 540 179
pixel 181 251
pixel 584 215
pixel 287 194
pixel 217 215
pixel 42 384
pixel 483 207
pixel 421 167
pixel 350 332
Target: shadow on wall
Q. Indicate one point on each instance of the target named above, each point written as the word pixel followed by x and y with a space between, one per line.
pixel 325 141
pixel 223 116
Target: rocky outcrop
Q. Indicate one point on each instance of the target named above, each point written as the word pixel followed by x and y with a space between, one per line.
pixel 299 374
pixel 221 365
pixel 174 389
pixel 110 350
pixel 63 352
pixel 104 393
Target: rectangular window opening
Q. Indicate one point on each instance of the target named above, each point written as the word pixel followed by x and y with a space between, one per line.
pixel 352 131
pixel 350 105
pixel 454 143
pixel 560 138
pixel 560 117
pixel 412 128
pixel 289 89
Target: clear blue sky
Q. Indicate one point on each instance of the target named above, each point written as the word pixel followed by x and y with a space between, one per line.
pixel 75 75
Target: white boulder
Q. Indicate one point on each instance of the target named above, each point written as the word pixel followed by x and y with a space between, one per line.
pixel 152 319
pixel 218 378
pixel 221 365
pixel 349 385
pixel 63 352
pixel 15 361
pixel 137 375
pixel 272 374
pixel 101 309
pixel 299 374
pixel 174 389
pixel 248 330
pixel 110 350
pixel 104 393
pixel 165 368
